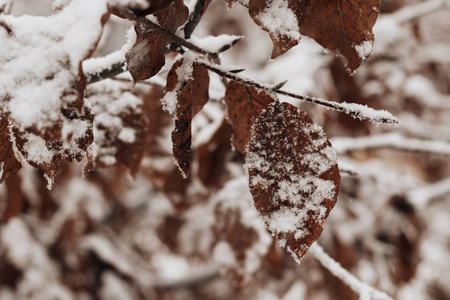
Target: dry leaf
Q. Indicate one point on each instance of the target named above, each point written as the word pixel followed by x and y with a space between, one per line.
pixel 294 177
pixel 146 57
pixel 281 19
pixel 344 27
pixel 244 105
pixel 190 100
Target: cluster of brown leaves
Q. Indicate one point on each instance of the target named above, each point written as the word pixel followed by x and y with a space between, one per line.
pixel 293 169
pixel 339 26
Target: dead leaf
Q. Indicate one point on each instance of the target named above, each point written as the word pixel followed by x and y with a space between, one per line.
pixel 15 198
pixel 294 177
pixel 8 161
pixel 192 96
pixel 281 19
pixel 344 27
pixel 146 57
pixel 244 105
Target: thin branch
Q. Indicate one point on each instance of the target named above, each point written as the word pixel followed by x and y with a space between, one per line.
pixel 357 111
pixel 363 289
pixel 189 283
pixel 114 70
pixel 157 28
pixel 195 17
pixel 390 141
pixel 422 196
pixel 412 12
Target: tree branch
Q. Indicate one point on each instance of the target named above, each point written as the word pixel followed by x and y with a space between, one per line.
pixel 157 28
pixel 390 141
pixel 364 290
pixel 195 17
pixel 357 111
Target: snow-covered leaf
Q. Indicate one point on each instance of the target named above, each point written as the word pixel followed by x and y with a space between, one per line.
pixel 281 19
pixel 42 82
pixel 294 176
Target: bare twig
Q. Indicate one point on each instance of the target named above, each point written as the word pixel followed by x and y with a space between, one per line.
pixel 390 141
pixel 195 17
pixel 412 12
pixel 6 26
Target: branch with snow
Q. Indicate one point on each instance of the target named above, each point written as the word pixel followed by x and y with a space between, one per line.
pixel 357 111
pixel 365 291
pixel 390 141
pixel 422 196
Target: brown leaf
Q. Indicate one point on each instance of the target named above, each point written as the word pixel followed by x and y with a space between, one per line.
pixel 190 100
pixel 344 27
pixel 238 231
pixel 47 150
pixel 294 177
pixel 15 198
pixel 281 19
pixel 158 156
pixel 9 165
pixel 212 156
pixel 244 105
pixel 146 57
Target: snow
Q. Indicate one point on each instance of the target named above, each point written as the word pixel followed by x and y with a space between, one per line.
pixel 94 66
pixel 39 67
pixel 127 135
pixel 36 148
pixel 213 44
pixel 364 49
pixel 224 254
pixel 184 73
pixel 279 19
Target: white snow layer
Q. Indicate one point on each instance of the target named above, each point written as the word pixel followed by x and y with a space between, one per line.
pixel 279 19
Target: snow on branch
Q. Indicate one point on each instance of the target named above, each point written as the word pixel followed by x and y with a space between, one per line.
pixel 355 110
pixel 422 196
pixel 391 141
pixel 365 291
pixel 412 12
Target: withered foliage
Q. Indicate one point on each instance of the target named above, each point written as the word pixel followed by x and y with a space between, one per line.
pixel 179 180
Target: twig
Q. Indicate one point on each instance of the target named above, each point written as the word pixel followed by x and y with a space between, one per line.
pixel 114 70
pixel 195 17
pixel 412 12
pixel 390 141
pixel 189 283
pixel 355 110
pixel 422 196
pixel 6 26
pixel 363 289
pixel 155 27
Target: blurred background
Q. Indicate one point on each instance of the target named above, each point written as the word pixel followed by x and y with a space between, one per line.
pixel 134 229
